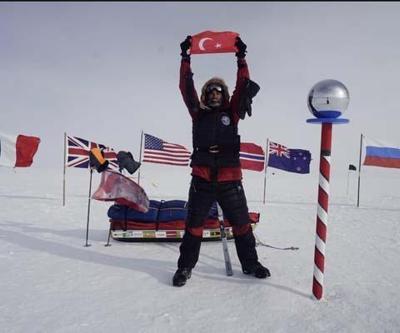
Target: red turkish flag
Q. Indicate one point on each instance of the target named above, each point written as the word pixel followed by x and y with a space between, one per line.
pixel 214 42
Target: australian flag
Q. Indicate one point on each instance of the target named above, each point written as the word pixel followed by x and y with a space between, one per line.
pixel 291 160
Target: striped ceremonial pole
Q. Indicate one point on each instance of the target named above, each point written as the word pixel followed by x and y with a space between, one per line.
pixel 322 212
pixel 327 100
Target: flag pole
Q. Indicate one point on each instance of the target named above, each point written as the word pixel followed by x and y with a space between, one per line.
pixel 65 162
pixel 88 214
pixel 140 155
pixel 265 167
pixel 359 172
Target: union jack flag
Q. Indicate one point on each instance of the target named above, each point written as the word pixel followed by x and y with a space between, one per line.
pixel 278 150
pixel 78 153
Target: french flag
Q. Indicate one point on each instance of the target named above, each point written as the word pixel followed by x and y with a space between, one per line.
pixel 252 157
pixel 381 155
pixel 17 150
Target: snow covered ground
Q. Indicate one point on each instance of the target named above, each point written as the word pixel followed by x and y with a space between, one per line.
pixel 50 282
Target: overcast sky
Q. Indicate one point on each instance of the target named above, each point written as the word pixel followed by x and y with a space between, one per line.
pixel 106 71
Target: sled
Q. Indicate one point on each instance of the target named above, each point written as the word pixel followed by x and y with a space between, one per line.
pixel 173 230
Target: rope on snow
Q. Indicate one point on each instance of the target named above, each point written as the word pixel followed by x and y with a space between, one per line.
pixel 259 242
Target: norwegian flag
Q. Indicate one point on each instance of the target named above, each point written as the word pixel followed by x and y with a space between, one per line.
pixel 251 156
pixel 78 153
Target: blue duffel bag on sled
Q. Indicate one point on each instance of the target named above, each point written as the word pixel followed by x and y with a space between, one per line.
pixel 123 213
pixel 172 210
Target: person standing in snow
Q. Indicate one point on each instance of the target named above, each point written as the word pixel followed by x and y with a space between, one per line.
pixel 216 172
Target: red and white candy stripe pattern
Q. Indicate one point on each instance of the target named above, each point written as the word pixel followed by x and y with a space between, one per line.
pixel 322 212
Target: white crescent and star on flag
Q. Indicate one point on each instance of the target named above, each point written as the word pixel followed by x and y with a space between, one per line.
pixel 203 40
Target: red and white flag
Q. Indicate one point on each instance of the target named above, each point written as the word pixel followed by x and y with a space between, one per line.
pixel 123 190
pixel 17 150
pixel 252 157
pixel 214 42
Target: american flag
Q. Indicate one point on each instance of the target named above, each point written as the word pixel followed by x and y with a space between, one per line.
pixel 78 153
pixel 159 151
pixel 251 156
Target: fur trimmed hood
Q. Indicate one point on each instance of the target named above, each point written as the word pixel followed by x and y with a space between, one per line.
pixel 225 94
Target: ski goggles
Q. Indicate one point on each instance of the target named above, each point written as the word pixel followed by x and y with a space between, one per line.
pixel 212 87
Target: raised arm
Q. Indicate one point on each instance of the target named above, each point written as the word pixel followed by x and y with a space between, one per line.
pixel 241 78
pixel 186 83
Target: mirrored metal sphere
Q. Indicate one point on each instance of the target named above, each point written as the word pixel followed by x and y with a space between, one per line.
pixel 328 99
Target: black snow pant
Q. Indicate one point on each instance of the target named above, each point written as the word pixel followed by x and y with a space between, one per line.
pixel 230 196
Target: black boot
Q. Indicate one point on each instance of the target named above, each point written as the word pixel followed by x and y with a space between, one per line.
pixel 189 254
pixel 181 276
pixel 258 270
pixel 247 253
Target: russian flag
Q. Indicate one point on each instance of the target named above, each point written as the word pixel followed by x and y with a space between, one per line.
pixel 382 156
pixel 252 157
pixel 17 150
